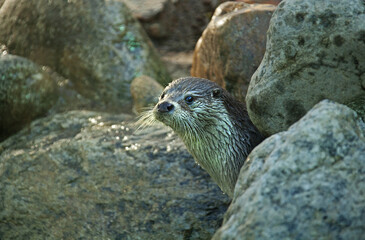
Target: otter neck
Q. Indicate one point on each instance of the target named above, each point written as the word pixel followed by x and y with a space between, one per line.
pixel 220 149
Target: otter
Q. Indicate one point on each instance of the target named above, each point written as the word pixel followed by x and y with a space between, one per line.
pixel 213 125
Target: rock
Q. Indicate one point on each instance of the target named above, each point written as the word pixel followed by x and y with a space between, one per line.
pixel 274 2
pixel 27 91
pixel 315 50
pixel 173 24
pixel 305 183
pixel 232 46
pixel 150 9
pixel 145 92
pixel 87 175
pixel 178 63
pixel 96 44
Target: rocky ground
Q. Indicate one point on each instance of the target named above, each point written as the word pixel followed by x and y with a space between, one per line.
pixel 91 175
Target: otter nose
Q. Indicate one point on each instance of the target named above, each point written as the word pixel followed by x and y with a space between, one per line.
pixel 165 107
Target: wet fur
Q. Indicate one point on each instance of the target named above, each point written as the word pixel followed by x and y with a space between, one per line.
pixel 216 128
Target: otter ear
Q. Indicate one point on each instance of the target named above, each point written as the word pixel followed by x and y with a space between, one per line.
pixel 216 92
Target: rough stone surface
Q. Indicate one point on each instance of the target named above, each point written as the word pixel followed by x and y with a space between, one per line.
pixel 315 50
pixel 86 175
pixel 152 15
pixel 305 183
pixel 145 92
pixel 232 46
pixel 178 63
pixel 96 44
pixel 150 9
pixel 27 91
pixel 175 24
pixel 274 2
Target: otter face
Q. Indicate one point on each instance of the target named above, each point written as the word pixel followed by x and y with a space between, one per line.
pixel 187 103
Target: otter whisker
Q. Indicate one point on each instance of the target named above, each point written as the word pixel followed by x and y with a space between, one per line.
pixel 146 119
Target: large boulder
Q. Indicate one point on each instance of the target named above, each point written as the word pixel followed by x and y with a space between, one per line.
pixel 232 46
pixel 97 44
pixel 315 50
pixel 305 183
pixel 27 91
pixel 88 175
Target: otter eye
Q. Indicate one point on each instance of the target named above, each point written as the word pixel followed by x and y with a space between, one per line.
pixel 189 100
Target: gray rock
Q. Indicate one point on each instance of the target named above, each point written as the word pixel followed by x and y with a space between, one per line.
pixel 96 44
pixel 315 50
pixel 173 24
pixel 305 183
pixel 178 63
pixel 87 175
pixel 145 92
pixel 150 9
pixel 232 46
pixel 275 2
pixel 27 91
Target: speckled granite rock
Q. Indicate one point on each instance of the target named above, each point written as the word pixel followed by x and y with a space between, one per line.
pixel 305 183
pixel 96 44
pixel 27 91
pixel 232 46
pixel 87 175
pixel 315 50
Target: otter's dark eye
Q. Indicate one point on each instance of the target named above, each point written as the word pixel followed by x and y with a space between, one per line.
pixel 162 95
pixel 189 100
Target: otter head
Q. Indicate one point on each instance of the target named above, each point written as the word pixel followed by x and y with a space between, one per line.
pixel 187 105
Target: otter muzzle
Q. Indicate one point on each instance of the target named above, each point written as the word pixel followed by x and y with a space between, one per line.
pixel 165 107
